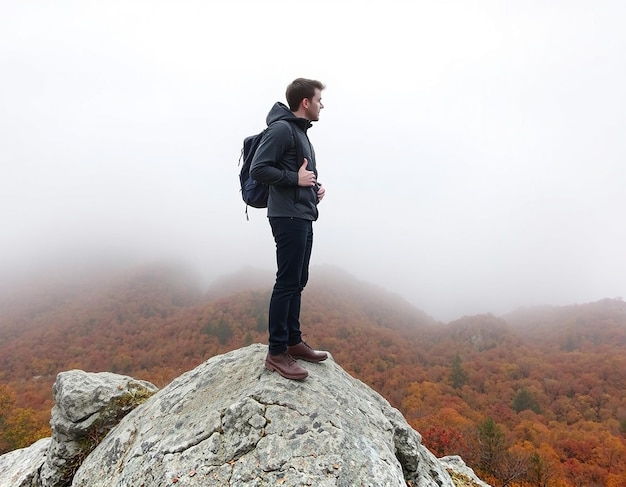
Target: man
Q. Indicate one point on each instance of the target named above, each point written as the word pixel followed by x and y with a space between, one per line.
pixel 294 194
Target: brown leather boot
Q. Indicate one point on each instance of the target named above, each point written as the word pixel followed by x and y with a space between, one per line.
pixel 303 351
pixel 286 366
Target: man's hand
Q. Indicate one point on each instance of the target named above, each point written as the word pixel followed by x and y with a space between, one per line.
pixel 321 191
pixel 306 178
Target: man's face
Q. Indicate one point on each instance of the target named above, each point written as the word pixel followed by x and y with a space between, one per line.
pixel 313 106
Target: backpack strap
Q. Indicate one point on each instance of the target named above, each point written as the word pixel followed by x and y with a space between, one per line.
pixel 299 155
pixel 296 139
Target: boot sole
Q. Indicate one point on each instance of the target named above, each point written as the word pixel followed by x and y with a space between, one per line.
pixel 306 359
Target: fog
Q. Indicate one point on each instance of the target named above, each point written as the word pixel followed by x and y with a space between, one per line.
pixel 473 152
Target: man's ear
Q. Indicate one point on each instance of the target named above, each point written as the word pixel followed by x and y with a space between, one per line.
pixel 305 103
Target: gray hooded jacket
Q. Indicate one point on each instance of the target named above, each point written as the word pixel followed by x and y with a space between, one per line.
pixel 275 164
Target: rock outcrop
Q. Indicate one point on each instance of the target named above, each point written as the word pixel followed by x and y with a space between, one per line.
pixel 230 422
pixel 86 407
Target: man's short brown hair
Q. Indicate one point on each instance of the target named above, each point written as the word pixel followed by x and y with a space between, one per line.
pixel 301 88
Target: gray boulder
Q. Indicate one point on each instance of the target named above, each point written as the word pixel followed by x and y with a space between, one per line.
pixel 20 468
pixel 87 406
pixel 230 422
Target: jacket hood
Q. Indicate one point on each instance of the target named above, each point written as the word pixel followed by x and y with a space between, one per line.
pixel 280 111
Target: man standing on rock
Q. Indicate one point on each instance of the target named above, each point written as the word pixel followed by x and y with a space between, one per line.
pixel 285 161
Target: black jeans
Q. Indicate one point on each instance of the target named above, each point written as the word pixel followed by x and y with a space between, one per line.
pixel 294 241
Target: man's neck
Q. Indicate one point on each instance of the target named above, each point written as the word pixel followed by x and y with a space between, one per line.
pixel 300 114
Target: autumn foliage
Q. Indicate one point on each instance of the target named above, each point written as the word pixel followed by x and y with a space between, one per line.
pixel 534 398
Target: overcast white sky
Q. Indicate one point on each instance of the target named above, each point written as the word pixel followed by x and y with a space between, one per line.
pixel 473 151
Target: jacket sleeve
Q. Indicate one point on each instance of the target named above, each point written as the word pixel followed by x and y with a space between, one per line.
pixel 268 165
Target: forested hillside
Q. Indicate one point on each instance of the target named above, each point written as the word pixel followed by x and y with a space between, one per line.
pixel 534 398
